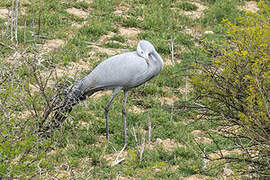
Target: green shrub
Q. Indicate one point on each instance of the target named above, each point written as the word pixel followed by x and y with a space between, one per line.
pixel 234 88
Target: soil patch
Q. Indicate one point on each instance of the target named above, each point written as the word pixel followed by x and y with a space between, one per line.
pixel 196 14
pixel 168 144
pixel 195 177
pixel 3 13
pixel 250 6
pixel 136 109
pixel 168 100
pixel 53 44
pixel 131 33
pixel 109 51
pixel 217 154
pixel 111 157
pixel 78 12
pixel 197 133
pixel 87 1
pixel 203 140
pixel 193 32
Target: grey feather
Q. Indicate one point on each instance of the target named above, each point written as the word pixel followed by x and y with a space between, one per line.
pixel 123 71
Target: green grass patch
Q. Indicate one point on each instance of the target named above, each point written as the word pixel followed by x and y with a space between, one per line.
pixel 221 10
pixel 119 38
pixel 186 6
pixel 114 45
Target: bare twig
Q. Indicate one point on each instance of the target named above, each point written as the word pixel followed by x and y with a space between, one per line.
pixel 16 20
pixel 186 88
pixel 172 51
pixel 12 20
pixel 133 132
pixel 171 115
pixel 2 44
pixel 33 99
pixel 39 16
pixel 205 160
pixel 34 31
pixel 117 160
pixel 149 129
pixel 8 22
pixel 216 143
pixel 142 147
pixel 24 32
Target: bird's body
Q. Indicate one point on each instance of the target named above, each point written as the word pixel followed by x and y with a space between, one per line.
pixel 132 71
pixel 120 72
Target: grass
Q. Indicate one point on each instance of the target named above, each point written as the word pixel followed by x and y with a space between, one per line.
pixel 186 6
pixel 221 10
pixel 78 148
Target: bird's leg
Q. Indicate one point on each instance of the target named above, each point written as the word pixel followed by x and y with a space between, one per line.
pixel 107 108
pixel 124 112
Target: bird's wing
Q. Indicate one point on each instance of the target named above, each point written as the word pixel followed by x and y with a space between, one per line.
pixel 125 70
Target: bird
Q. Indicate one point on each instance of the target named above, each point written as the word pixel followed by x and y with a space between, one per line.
pixel 120 72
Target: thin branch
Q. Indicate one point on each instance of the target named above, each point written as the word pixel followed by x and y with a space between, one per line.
pixel 186 89
pixel 142 147
pixel 39 21
pixel 8 22
pixel 172 51
pixel 24 32
pixel 12 20
pixel 16 20
pixel 133 132
pixel 149 129
pixel 117 160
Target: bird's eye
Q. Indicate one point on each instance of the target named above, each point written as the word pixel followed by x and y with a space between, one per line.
pixel 141 52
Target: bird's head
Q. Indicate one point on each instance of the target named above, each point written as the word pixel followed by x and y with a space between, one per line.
pixel 144 49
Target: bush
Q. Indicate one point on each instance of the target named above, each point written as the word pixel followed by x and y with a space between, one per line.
pixel 234 88
pixel 24 92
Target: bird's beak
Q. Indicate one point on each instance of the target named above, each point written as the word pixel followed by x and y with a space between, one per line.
pixel 147 59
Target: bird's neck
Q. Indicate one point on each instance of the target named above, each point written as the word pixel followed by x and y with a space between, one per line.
pixel 157 61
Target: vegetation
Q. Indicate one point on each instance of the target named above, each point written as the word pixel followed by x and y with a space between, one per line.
pixel 58 42
pixel 234 88
pixel 186 6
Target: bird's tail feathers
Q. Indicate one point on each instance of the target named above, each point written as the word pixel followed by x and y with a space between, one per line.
pixel 62 106
pixel 66 105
